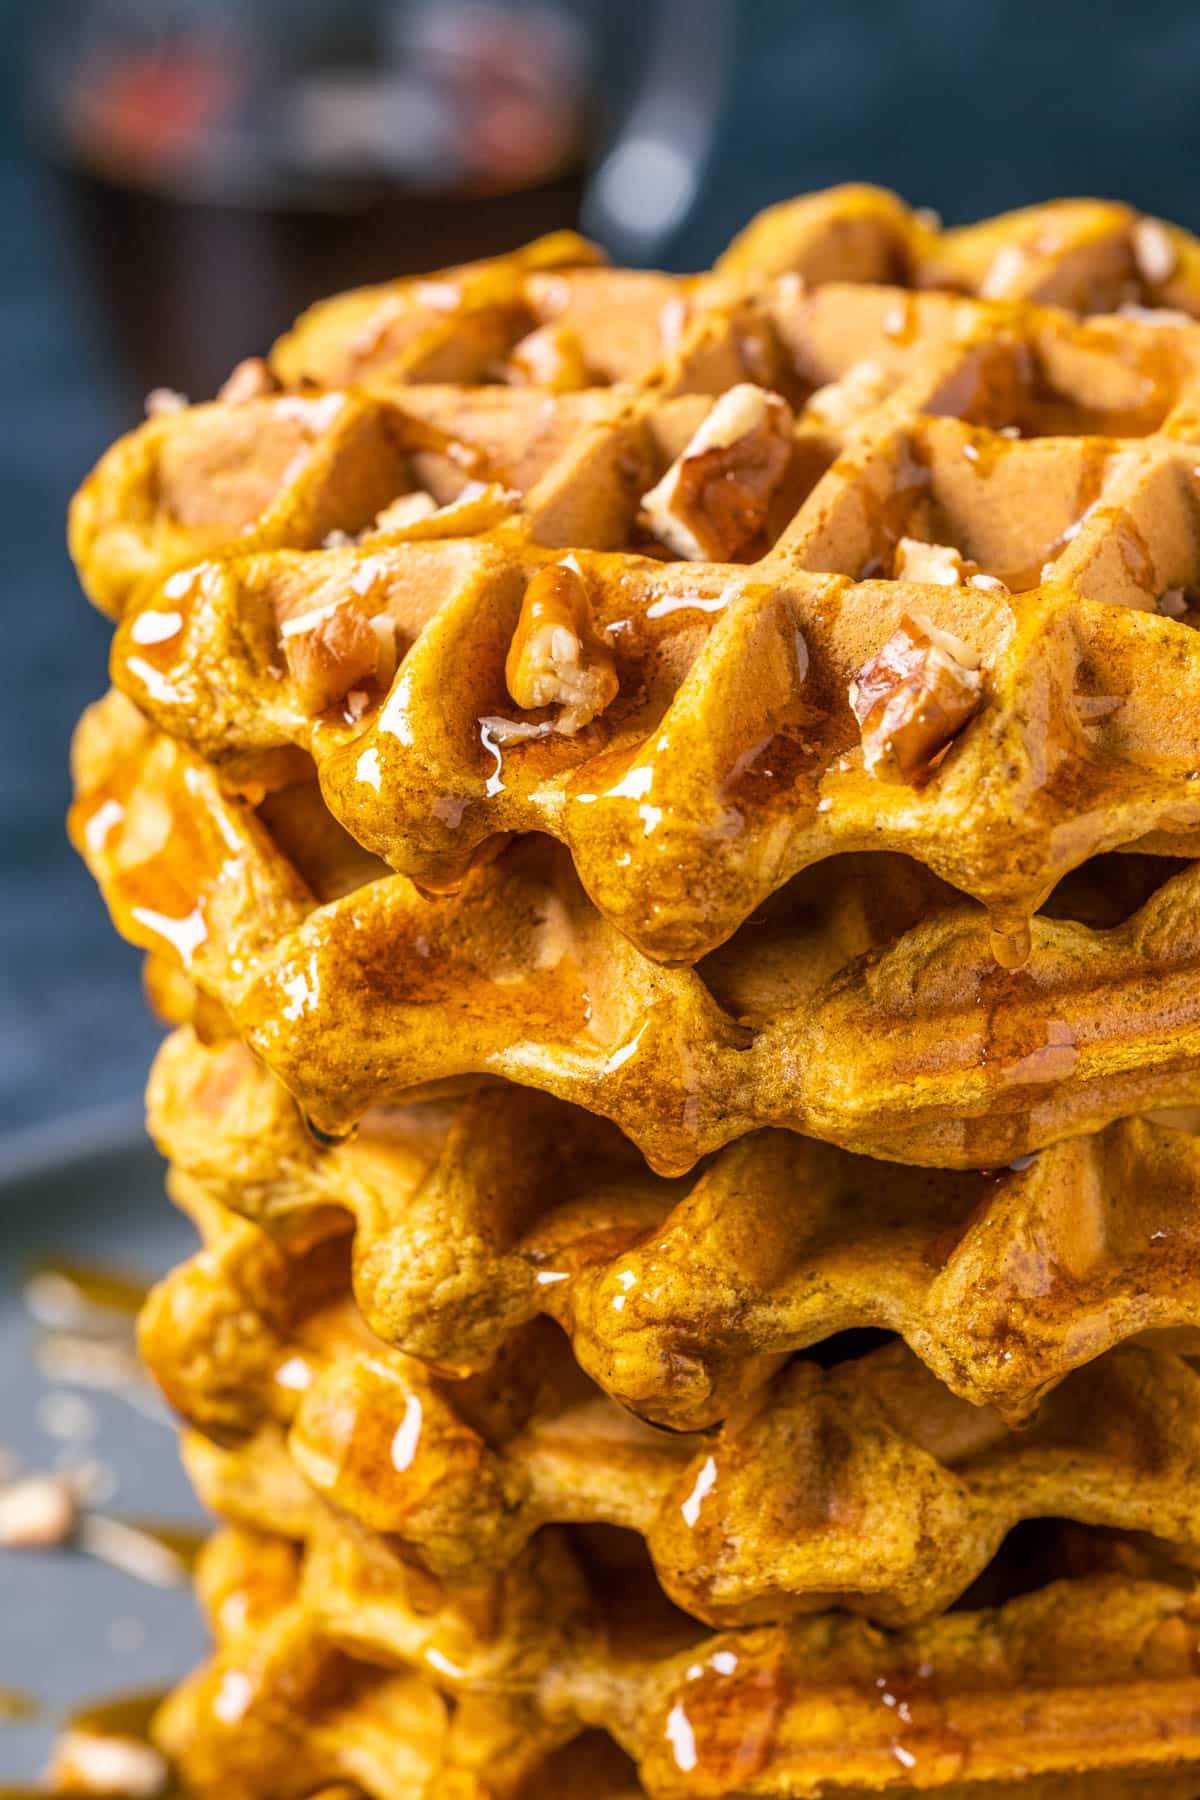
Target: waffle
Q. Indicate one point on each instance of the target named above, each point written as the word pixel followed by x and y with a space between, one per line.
pixel 283 1712
pixel 649 803
pixel 1088 256
pixel 1086 1686
pixel 867 1487
pixel 838 1017
pixel 472 1218
pixel 719 753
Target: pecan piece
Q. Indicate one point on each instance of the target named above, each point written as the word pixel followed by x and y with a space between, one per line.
pixel 557 657
pixel 940 565
pixel 913 698
pixel 714 499
pixel 551 357
pixel 863 387
pixel 251 379
pixel 335 648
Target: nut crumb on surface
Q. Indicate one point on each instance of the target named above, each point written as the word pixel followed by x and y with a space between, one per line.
pixel 161 401
pixel 251 379
pixel 672 321
pixel 1173 603
pixel 557 657
pixel 913 698
pixel 863 387
pixel 332 649
pixel 714 499
pixel 550 357
pixel 37 1512
pixel 940 565
pixel 1005 274
pixel 1153 251
pixel 791 286
pixel 513 731
pixel 88 1762
pixel 407 509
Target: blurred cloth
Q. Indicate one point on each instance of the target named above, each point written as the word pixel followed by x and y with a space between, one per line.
pixel 967 109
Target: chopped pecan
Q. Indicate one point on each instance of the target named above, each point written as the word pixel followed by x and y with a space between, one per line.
pixel 250 380
pixel 940 565
pixel 407 509
pixel 550 357
pixel 1153 252
pixel 335 648
pixel 1006 274
pixel 714 499
pixel 161 401
pixel 861 389
pixel 913 698
pixel 557 657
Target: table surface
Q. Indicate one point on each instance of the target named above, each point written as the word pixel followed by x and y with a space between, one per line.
pixel 74 1630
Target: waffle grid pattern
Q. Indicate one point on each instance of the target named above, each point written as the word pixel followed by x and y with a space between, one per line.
pixel 665 815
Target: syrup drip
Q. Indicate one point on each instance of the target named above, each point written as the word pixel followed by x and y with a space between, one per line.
pixel 722 1728
pixel 1011 939
pixel 922 1738
pixel 160 901
pixel 327 1140
pixel 1023 1051
pixel 183 1541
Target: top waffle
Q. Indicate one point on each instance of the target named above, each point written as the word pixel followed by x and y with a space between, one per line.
pixel 708 577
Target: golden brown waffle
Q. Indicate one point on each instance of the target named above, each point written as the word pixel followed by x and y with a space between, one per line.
pixel 868 1487
pixel 1085 1687
pixel 864 1009
pixel 1089 256
pixel 1053 457
pixel 281 1713
pixel 470 1221
pixel 876 547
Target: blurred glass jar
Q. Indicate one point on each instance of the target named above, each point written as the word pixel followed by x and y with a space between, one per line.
pixel 224 162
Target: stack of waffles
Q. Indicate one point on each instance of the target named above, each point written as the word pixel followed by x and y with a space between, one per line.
pixel 661 813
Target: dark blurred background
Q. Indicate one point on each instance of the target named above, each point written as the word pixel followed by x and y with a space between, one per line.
pixel 176 180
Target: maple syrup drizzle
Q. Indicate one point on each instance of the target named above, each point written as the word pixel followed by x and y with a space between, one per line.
pixel 922 1735
pixel 1022 1049
pixel 326 1140
pixel 160 901
pixel 722 1726
pixel 1010 938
